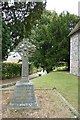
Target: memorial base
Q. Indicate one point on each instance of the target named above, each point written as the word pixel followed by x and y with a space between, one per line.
pixel 23 97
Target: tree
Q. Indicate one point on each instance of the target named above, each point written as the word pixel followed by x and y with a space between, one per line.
pixel 42 39
pixel 19 15
pixel 6 43
pixel 51 38
pixel 67 22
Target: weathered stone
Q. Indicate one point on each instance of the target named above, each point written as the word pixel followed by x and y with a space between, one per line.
pixel 79 8
pixel 24 96
pixel 75 50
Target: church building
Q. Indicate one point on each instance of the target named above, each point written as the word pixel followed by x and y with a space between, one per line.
pixel 75 50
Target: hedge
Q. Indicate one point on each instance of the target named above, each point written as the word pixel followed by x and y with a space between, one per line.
pixel 11 70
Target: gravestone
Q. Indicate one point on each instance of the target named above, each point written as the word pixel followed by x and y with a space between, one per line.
pixel 24 96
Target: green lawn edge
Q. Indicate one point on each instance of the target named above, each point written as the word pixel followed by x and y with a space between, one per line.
pixel 64 82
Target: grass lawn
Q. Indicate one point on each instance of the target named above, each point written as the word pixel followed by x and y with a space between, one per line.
pixel 65 83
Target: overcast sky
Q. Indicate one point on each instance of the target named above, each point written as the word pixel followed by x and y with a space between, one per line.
pixel 63 5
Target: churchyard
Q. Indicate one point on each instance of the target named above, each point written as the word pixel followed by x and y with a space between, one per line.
pixel 47 89
pixel 44 40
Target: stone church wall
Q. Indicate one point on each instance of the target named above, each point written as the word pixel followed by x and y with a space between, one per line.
pixel 74 54
pixel 79 54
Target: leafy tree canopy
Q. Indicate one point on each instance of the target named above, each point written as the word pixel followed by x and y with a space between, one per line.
pixel 51 38
pixel 19 15
pixel 6 43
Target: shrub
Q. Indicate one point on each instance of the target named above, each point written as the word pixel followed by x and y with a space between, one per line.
pixel 11 70
pixel 32 69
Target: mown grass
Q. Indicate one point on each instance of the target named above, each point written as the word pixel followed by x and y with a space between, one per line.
pixel 65 83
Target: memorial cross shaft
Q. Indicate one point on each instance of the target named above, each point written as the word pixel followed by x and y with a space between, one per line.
pixel 25 69
pixel 22 49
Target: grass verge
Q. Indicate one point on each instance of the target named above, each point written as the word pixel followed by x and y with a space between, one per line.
pixel 65 83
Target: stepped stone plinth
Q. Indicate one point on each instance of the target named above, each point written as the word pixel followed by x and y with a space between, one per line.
pixel 24 97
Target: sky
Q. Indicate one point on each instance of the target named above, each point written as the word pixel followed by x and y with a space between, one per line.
pixel 63 5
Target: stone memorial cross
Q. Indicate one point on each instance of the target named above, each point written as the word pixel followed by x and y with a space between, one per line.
pixel 24 48
pixel 24 96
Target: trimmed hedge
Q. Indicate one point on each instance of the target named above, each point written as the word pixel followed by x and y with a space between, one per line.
pixel 11 70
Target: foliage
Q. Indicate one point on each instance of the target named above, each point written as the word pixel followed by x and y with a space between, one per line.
pixel 6 43
pixel 61 68
pixel 20 17
pixel 32 69
pixel 51 38
pixel 8 70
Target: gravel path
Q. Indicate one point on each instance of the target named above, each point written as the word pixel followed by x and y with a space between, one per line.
pixel 51 106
